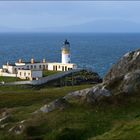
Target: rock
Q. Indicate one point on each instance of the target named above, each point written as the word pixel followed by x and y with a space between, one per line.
pixel 128 63
pixel 58 103
pixel 18 129
pixel 131 82
pixel 87 76
pixel 5 115
pixel 5 119
pixel 124 76
pixel 90 95
pixel 77 94
pixel 3 125
pixel 4 112
pixel 97 93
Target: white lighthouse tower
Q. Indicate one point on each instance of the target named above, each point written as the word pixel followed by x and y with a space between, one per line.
pixel 66 52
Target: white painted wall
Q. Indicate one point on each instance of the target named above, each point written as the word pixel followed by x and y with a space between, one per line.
pixel 7 74
pixel 50 66
pixel 65 58
pixel 29 74
pixel 9 68
pixel 24 74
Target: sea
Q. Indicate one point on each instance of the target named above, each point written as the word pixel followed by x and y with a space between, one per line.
pixel 95 51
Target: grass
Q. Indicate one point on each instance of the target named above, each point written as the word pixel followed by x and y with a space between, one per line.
pixel 15 96
pixel 49 72
pixel 9 79
pixel 82 121
pixel 117 118
pixel 23 104
pixel 122 131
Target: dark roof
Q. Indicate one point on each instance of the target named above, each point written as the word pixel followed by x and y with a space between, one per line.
pixel 11 64
pixel 30 62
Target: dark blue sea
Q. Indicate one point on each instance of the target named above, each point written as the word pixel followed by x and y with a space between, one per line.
pixel 97 51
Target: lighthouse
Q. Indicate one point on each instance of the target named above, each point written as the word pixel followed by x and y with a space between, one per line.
pixel 66 52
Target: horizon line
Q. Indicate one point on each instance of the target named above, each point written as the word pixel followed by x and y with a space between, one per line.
pixel 70 32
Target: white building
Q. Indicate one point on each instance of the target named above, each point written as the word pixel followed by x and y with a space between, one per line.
pixel 32 69
pixel 29 74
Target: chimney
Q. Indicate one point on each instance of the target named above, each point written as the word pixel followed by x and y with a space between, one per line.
pixel 32 61
pixel 44 60
pixel 20 60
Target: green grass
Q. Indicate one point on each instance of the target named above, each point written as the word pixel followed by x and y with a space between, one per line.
pixel 9 79
pixel 49 72
pixel 15 96
pixel 116 118
pixel 82 121
pixel 123 131
pixel 23 104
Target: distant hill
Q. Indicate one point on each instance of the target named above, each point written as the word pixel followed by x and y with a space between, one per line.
pixel 94 26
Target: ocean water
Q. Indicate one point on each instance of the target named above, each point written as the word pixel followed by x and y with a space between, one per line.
pixel 97 51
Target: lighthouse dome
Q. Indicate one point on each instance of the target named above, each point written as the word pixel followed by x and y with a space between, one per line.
pixel 66 42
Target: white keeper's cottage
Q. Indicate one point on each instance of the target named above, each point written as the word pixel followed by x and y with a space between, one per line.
pixel 33 69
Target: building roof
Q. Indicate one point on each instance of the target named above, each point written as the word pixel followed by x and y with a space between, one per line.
pixel 28 70
pixel 10 64
pixel 58 63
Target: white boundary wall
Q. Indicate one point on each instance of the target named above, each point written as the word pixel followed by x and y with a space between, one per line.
pixel 7 74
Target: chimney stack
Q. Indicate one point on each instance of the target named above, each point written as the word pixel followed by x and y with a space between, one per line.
pixel 32 61
pixel 20 60
pixel 44 60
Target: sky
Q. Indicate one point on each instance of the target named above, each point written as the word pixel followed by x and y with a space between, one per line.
pixel 70 16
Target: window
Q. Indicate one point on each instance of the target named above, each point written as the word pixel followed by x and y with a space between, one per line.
pixel 47 67
pixel 31 66
pixel 29 74
pixel 24 73
pixel 62 68
pixel 53 67
pixel 20 73
pixel 40 66
pixel 69 68
pixel 34 66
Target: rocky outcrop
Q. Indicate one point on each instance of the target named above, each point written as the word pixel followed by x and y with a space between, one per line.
pixel 18 128
pixel 60 103
pixel 123 77
pixel 90 95
pixel 5 116
pixel 128 63
pixel 128 83
pixel 86 76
